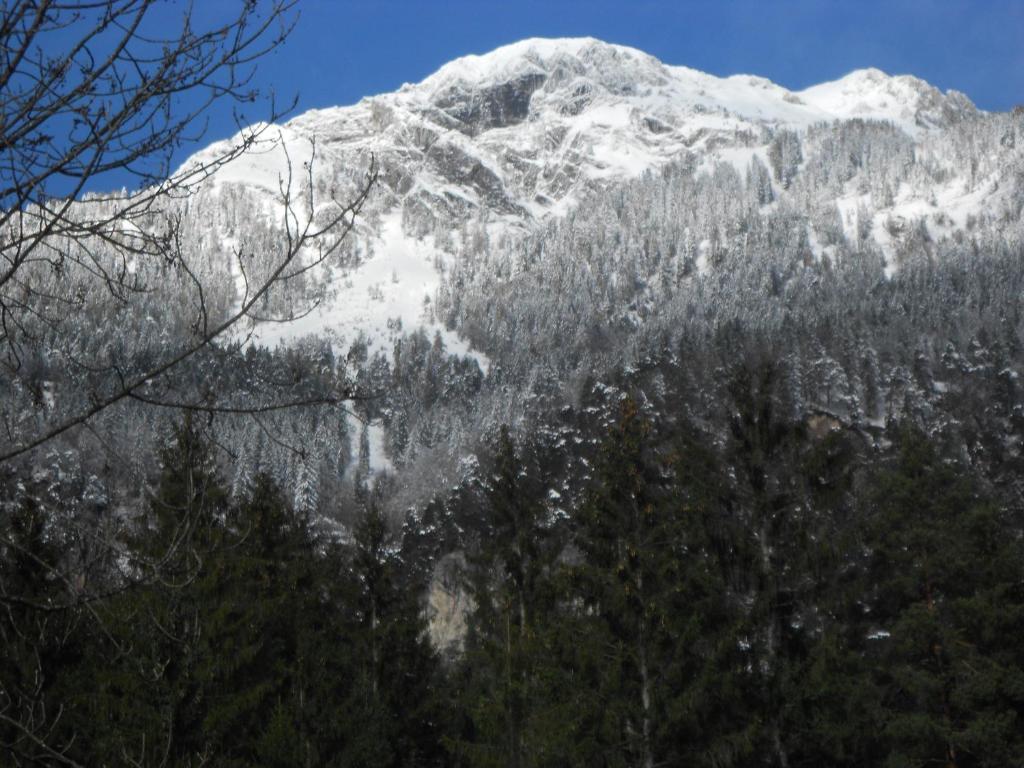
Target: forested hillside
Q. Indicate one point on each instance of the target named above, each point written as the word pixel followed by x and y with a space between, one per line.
pixel 779 592
pixel 565 408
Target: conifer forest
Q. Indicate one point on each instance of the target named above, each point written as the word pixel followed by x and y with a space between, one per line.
pixel 566 408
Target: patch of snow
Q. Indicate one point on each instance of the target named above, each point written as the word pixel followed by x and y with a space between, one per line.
pixel 738 157
pixel 880 234
pixel 817 249
pixel 873 95
pixel 850 207
pixel 701 262
pixel 278 160
pixel 379 461
pixel 396 282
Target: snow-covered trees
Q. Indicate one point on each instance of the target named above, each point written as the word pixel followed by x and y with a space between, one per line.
pixel 73 266
pixel 785 157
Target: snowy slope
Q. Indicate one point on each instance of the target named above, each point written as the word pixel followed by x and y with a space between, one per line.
pixel 384 297
pixel 521 133
pixel 907 101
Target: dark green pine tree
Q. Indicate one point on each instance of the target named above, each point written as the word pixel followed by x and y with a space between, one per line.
pixel 655 604
pixel 947 578
pixel 833 714
pixel 390 710
pixel 260 596
pixel 509 579
pixel 145 702
pixel 41 636
pixel 776 552
pixel 709 715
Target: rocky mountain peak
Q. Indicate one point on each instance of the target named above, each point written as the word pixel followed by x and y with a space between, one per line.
pixel 908 101
pixel 566 76
pixel 495 90
pixel 606 64
pixel 524 130
pixel 493 151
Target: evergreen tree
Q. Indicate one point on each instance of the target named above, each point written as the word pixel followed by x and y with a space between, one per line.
pixel 510 597
pixel 258 596
pixel 147 699
pixel 390 711
pixel 630 582
pixel 948 578
pixel 711 719
pixel 40 635
pixel 774 552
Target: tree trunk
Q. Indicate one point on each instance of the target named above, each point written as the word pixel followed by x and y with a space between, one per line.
pixel 936 652
pixel 645 683
pixel 774 637
pixel 645 702
pixel 374 650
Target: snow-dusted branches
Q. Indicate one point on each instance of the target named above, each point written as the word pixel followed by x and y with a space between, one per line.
pixel 92 87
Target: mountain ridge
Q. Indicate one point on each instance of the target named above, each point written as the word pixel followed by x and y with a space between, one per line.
pixel 528 131
pixel 613 62
pixel 529 103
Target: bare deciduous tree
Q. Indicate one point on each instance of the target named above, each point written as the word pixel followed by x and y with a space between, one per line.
pixel 89 87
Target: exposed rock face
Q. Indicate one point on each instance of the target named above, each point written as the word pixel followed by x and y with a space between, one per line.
pixel 497 106
pixel 532 130
pixel 821 425
pixel 524 129
pixel 448 605
pixel 906 100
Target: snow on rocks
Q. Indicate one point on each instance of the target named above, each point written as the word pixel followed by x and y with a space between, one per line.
pixel 523 132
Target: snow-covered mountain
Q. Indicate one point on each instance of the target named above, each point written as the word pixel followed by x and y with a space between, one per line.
pixel 523 132
pixel 557 213
pixel 521 128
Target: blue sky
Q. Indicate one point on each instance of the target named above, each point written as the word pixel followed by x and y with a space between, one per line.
pixel 342 50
